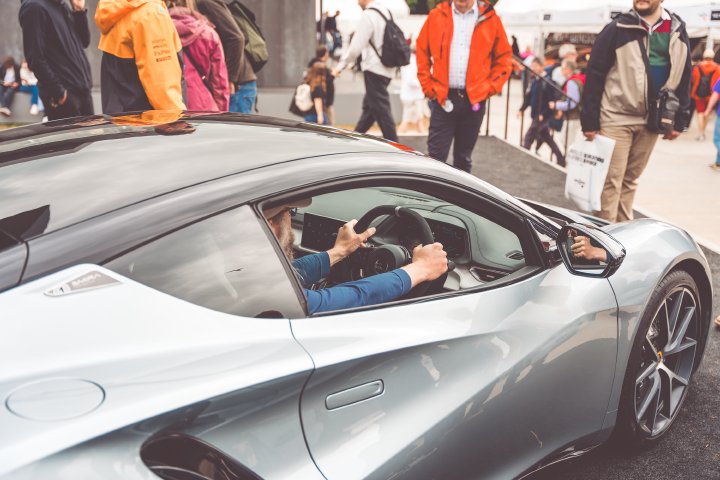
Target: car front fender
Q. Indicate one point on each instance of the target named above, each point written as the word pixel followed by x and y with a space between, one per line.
pixel 654 249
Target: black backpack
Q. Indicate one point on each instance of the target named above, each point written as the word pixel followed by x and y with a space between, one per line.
pixel 395 49
pixel 704 89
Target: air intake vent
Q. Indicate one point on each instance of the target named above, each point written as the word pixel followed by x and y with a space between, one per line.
pixel 515 255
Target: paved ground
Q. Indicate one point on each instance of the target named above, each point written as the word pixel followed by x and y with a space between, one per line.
pixel 692 448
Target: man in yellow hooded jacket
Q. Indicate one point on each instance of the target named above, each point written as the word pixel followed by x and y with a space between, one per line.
pixel 141 64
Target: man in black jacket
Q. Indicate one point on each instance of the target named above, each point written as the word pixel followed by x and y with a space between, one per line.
pixel 54 38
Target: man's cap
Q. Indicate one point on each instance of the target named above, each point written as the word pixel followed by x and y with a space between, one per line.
pixel 709 53
pixel 270 212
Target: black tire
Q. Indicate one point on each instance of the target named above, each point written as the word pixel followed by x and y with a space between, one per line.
pixel 662 361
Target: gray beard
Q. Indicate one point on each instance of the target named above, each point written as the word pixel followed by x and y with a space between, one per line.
pixel 287 241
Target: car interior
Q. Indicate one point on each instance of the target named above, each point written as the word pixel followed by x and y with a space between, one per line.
pixel 480 250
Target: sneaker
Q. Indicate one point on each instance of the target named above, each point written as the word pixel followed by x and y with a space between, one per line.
pixel 34 110
pixel 715 166
pixel 700 138
pixel 5 111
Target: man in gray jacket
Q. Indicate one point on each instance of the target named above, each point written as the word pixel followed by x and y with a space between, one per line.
pixel 376 102
pixel 636 56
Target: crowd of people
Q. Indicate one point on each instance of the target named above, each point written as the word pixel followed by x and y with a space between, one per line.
pixel 554 95
pixel 157 54
pixel 193 54
pixel 18 78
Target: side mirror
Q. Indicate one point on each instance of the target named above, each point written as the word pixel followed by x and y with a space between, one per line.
pixel 595 253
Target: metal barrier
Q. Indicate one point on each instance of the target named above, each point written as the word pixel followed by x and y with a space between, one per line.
pixel 549 83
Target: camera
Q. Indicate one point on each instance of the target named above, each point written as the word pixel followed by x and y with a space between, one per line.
pixel 667 105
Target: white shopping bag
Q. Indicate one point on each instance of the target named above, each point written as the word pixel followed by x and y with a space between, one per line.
pixel 587 166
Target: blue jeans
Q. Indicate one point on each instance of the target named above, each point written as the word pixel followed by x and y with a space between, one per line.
pixel 312 117
pixel 243 100
pixel 33 91
pixel 716 140
pixel 6 96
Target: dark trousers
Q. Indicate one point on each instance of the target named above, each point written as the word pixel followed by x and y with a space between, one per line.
pixel 541 132
pixel 461 125
pixel 77 104
pixel 376 107
pixel 6 96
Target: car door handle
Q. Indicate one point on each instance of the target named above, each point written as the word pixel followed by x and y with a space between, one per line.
pixel 354 395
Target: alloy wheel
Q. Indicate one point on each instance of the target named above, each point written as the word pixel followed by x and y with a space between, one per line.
pixel 667 360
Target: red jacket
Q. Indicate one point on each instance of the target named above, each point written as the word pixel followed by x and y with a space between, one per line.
pixel 490 60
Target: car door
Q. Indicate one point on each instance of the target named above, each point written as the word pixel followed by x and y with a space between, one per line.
pixel 479 384
pixel 185 333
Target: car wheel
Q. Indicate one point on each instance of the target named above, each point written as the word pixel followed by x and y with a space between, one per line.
pixel 662 360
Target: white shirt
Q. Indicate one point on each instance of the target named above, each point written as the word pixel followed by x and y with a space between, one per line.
pixel 27 77
pixel 370 27
pixel 9 75
pixel 463 28
pixel 410 89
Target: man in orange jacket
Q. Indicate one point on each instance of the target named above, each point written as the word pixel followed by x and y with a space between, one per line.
pixel 142 63
pixel 463 58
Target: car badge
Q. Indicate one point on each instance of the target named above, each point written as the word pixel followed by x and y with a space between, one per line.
pixel 87 281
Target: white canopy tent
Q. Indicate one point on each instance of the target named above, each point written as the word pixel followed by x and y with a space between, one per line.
pixel 350 10
pixel 531 20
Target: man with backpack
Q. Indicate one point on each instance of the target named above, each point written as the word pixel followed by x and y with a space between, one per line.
pixel 540 97
pixel 704 75
pixel 573 89
pixel 383 48
pixel 244 47
pixel 567 51
pixel 457 83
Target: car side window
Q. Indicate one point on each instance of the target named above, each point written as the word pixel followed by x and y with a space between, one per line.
pixel 470 238
pixel 225 263
pixel 483 245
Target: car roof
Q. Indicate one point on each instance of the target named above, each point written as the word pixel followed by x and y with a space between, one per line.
pixel 59 173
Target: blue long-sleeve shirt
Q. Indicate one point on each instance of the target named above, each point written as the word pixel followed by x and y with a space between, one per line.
pixel 381 288
pixel 573 93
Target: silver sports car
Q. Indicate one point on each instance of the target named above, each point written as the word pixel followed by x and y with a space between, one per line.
pixel 154 327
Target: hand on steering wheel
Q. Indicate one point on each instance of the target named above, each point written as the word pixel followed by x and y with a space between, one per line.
pixel 389 257
pixel 428 263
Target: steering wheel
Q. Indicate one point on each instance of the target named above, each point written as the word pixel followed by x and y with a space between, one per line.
pixel 385 258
